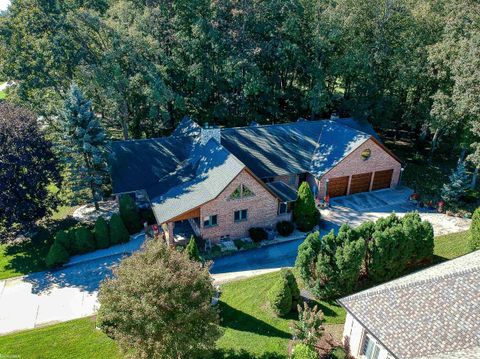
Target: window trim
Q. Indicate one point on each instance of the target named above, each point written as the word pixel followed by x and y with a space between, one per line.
pixel 210 224
pixel 240 217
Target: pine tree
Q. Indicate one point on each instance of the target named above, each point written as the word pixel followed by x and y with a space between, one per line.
pixel 192 250
pixel 305 212
pixel 474 239
pixel 457 186
pixel 84 145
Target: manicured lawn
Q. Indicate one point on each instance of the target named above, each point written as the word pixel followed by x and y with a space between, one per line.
pixel 74 339
pixel 451 246
pixel 2 95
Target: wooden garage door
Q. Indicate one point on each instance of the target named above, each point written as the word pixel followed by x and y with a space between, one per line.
pixel 382 179
pixel 338 186
pixel 360 183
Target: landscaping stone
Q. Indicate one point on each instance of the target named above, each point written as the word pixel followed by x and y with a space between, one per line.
pixel 87 213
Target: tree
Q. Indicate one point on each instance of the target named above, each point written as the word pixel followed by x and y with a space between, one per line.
pixel 57 256
pixel 158 305
pixel 305 212
pixel 130 215
pixel 84 241
pixel 101 232
pixel 192 250
pixel 280 297
pixel 307 254
pixel 118 231
pixel 84 146
pixel 28 167
pixel 474 238
pixel 292 284
pixel 65 239
pixel 457 186
pixel 309 327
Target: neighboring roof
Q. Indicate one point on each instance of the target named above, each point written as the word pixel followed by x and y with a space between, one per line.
pixel 434 313
pixel 209 170
pixel 137 164
pixel 283 191
pixel 359 125
pixel 297 147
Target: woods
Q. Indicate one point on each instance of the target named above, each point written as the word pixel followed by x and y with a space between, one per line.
pixel 401 64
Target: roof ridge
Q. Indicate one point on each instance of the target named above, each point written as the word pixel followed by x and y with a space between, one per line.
pixel 385 288
pixel 272 125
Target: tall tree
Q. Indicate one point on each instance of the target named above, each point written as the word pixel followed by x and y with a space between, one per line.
pixel 84 142
pixel 28 167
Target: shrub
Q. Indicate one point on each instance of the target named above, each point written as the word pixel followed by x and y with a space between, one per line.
pixel 307 253
pixel 192 250
pixel 161 288
pixel 130 215
pixel 84 241
pixel 457 186
pixel 309 327
pixel 257 234
pixel 304 351
pixel 118 231
pixel 280 297
pixel 57 256
pixel 305 213
pixel 146 214
pixel 292 284
pixel 285 228
pixel 474 238
pixel 101 232
pixel 65 239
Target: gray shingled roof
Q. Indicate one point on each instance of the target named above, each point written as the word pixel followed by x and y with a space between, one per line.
pixel 187 127
pixel 209 170
pixel 297 147
pixel 360 125
pixel 434 313
pixel 138 164
pixel 283 191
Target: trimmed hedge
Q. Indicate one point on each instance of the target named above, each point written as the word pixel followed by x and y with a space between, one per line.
pixel 101 233
pixel 84 241
pixel 130 214
pixel 474 238
pixel 280 297
pixel 65 239
pixel 305 213
pixel 285 228
pixel 57 256
pixel 118 231
pixel 257 234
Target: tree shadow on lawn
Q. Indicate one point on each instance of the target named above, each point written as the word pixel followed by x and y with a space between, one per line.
pixel 238 320
pixel 29 255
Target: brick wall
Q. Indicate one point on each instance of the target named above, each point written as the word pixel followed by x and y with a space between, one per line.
pixel 262 210
pixel 354 164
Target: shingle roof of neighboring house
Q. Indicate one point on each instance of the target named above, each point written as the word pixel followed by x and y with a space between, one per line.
pixel 434 313
pixel 187 127
pixel 298 147
pixel 208 171
pixel 360 125
pixel 283 191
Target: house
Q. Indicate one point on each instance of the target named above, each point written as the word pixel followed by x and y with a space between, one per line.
pixel 218 183
pixel 433 313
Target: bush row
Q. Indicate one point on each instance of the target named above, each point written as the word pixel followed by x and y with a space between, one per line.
pixel 331 266
pixel 258 234
pixel 81 239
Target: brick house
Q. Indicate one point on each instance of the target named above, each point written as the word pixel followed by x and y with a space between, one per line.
pixel 218 183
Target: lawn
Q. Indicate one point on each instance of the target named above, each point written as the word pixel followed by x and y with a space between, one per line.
pixel 2 95
pixel 451 246
pixel 247 323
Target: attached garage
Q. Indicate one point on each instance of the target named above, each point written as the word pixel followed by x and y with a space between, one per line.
pixel 338 186
pixel 360 182
pixel 382 179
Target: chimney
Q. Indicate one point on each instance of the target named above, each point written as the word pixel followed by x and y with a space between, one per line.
pixel 209 132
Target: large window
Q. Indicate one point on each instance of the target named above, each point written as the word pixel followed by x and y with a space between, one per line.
pixel 239 216
pixel 210 221
pixel 241 191
pixel 370 349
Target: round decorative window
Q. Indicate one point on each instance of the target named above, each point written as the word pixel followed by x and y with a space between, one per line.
pixel 366 154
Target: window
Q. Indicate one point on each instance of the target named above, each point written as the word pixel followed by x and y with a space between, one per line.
pixel 284 207
pixel 241 191
pixel 370 349
pixel 210 221
pixel 241 215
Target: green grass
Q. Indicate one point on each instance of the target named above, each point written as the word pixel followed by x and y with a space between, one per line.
pixel 451 246
pixel 74 339
pixel 248 322
pixel 3 95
